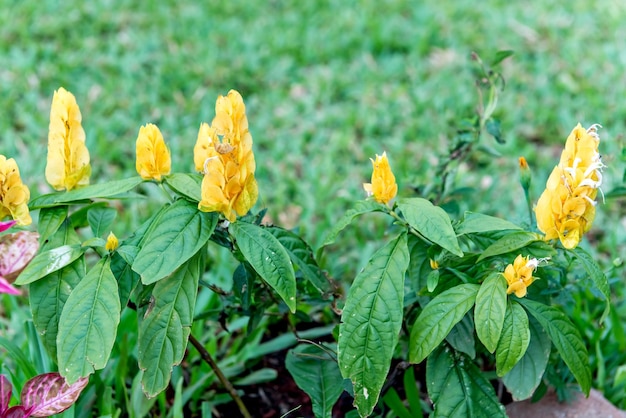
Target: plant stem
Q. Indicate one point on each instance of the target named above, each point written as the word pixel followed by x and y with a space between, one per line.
pixel 206 356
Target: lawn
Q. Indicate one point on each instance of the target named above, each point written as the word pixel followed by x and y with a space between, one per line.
pixel 328 84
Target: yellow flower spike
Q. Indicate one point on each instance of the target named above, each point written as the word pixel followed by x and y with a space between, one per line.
pixel 433 264
pixel 566 208
pixel 112 242
pixel 519 275
pixel 383 186
pixel 68 157
pixel 223 151
pixel 14 195
pixel 153 157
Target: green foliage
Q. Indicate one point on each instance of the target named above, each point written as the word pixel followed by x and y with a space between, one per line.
pixel 317 375
pixel 371 321
pixel 310 117
pixel 88 323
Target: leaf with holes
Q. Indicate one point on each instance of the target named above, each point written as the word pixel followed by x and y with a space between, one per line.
pixel 371 322
pixel 48 394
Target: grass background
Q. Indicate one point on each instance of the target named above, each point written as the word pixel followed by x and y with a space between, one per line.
pixel 327 84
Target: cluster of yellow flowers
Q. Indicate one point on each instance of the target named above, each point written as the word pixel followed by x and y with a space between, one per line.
pixel 519 275
pixel 14 194
pixel 566 208
pixel 223 152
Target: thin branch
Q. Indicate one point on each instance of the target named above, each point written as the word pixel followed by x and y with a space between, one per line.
pixel 206 356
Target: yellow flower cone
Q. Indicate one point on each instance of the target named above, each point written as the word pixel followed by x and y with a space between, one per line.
pixel 566 208
pixel 153 158
pixel 383 186
pixel 68 157
pixel 14 195
pixel 223 152
pixel 112 242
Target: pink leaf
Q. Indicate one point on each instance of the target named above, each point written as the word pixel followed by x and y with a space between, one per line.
pixel 5 287
pixel 48 394
pixel 6 225
pixel 5 394
pixel 16 251
pixel 16 412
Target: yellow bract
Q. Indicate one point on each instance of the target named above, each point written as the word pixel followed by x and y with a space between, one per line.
pixel 223 151
pixel 519 275
pixel 112 242
pixel 153 157
pixel 566 208
pixel 68 158
pixel 14 194
pixel 383 186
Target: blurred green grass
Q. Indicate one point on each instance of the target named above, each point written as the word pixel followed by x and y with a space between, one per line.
pixel 327 84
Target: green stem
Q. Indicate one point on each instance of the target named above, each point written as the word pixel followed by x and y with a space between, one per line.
pixel 206 356
pixel 530 207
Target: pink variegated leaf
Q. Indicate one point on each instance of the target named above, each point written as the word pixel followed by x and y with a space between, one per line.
pixel 16 251
pixel 6 225
pixel 5 394
pixel 17 412
pixel 5 287
pixel 48 394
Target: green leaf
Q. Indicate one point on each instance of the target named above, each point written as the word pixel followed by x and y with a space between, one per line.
pixel 438 318
pixel 186 185
pixel 100 220
pixel 506 244
pixel 458 388
pixel 301 255
pixel 474 223
pixel 49 261
pixel 126 278
pixel 268 258
pixel 361 207
pixel 461 337
pixel 165 329
pixel 430 221
pixel 179 233
pixel 596 275
pixel 317 375
pixel 493 128
pixel 490 309
pixel 48 297
pixel 432 280
pixel 514 339
pixel 371 322
pixel 501 56
pixel 527 373
pixel 88 323
pixel 102 190
pixel 565 338
pixel 50 220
